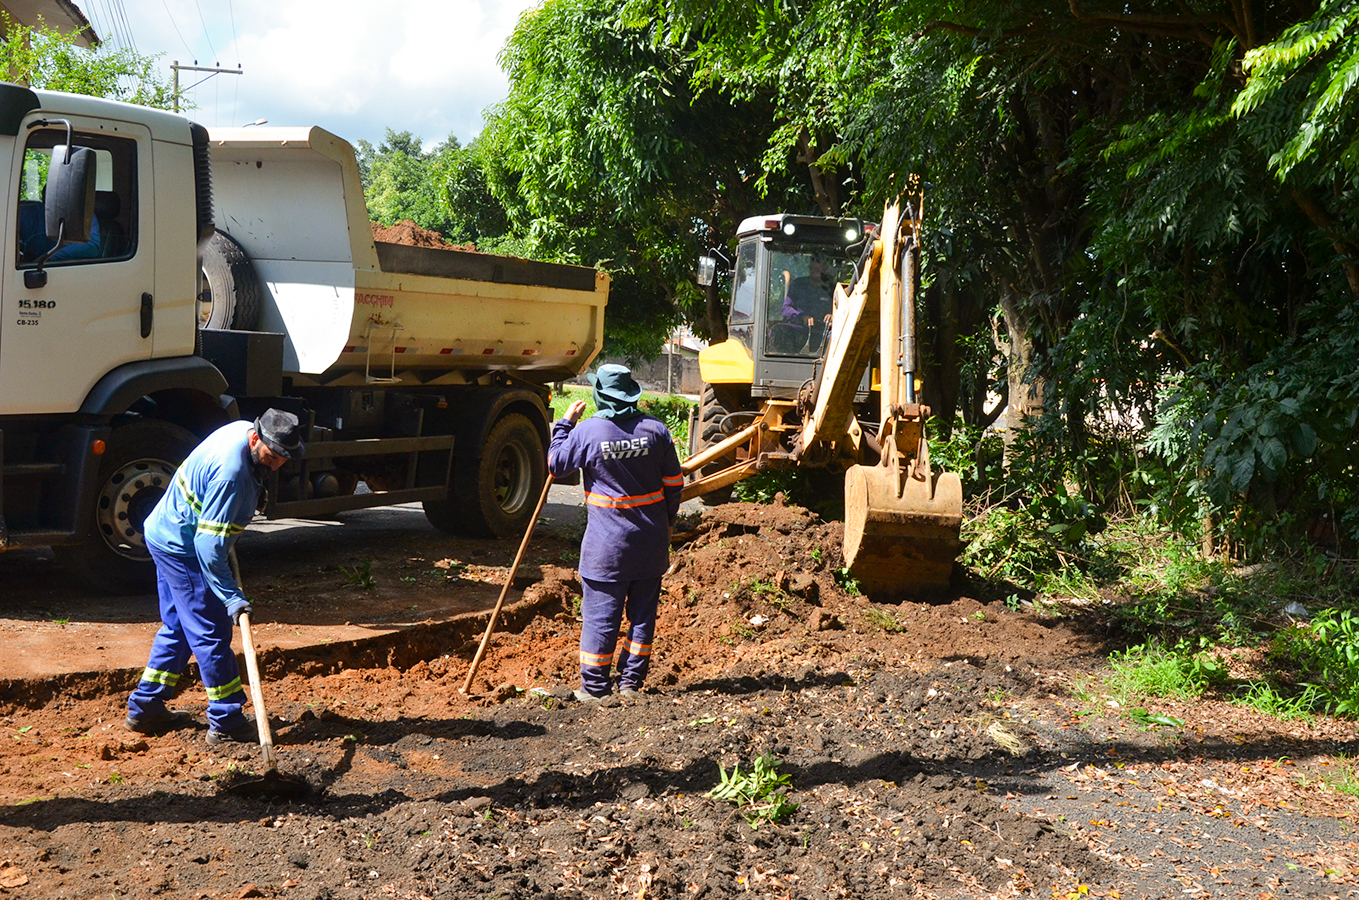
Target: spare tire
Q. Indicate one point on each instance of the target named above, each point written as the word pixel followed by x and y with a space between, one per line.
pixel 232 294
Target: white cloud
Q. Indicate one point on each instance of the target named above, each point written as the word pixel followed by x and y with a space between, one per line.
pixel 354 68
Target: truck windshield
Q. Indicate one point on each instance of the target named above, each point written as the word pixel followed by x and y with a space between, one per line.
pixel 802 279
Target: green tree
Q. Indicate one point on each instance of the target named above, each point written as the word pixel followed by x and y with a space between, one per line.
pixel 606 154
pixel 42 57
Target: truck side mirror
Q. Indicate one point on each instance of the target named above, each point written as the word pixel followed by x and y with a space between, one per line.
pixel 69 201
pixel 707 270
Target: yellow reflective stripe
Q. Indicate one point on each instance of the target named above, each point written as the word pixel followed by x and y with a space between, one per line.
pixel 595 659
pixel 156 676
pixel 638 649
pixel 221 529
pixel 226 690
pixel 189 497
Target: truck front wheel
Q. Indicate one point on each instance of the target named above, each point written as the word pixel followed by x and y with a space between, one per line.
pixel 495 493
pixel 137 468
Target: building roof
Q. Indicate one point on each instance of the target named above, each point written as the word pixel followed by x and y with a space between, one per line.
pixel 63 15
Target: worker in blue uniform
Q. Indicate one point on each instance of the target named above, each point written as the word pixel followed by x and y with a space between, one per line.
pixel 632 484
pixel 190 533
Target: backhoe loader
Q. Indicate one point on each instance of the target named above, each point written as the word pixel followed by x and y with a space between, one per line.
pixel 813 374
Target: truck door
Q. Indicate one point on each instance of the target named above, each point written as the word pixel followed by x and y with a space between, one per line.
pixel 59 339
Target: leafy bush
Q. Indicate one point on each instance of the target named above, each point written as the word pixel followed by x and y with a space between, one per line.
pixel 1326 654
pixel 760 794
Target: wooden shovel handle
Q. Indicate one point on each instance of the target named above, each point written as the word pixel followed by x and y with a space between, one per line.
pixel 252 671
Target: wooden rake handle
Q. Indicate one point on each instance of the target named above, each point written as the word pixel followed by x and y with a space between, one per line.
pixel 514 570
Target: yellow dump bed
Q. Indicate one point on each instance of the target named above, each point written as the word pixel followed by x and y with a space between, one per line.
pixel 357 311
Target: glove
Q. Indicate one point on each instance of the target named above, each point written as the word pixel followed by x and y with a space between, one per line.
pixel 236 607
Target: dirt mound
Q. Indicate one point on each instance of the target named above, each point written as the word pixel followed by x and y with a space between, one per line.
pixel 412 235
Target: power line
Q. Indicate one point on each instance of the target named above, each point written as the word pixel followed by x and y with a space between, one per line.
pixel 130 40
pixel 206 36
pixel 176 27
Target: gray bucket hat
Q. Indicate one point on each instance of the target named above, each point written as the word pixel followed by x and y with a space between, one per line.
pixel 281 433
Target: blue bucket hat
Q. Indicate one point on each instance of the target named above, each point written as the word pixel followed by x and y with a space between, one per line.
pixel 616 394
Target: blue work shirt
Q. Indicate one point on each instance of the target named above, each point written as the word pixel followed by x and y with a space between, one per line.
pixel 632 484
pixel 213 498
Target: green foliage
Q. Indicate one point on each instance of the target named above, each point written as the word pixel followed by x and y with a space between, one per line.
pixel 671 409
pixel 1151 670
pixel 1326 654
pixel 760 794
pixel 42 57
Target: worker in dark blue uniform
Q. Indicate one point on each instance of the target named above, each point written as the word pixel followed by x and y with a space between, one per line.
pixel 632 484
pixel 190 533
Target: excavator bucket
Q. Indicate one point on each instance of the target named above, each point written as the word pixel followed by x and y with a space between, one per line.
pixel 901 544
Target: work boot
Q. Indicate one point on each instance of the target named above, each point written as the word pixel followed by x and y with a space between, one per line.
pixel 241 734
pixel 585 697
pixel 166 721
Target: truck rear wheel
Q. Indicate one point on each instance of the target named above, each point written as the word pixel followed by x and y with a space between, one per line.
pixel 137 468
pixel 494 494
pixel 232 294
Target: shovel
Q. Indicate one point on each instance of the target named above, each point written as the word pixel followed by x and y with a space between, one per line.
pixel 271 784
pixel 509 580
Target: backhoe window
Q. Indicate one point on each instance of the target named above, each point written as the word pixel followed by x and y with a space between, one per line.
pixel 802 281
pixel 114 229
pixel 743 286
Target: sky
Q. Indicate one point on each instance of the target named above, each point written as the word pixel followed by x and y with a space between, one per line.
pixel 354 68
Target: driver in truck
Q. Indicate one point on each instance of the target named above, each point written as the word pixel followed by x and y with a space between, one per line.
pixel 190 533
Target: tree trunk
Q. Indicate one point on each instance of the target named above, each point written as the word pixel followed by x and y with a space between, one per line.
pixel 1027 386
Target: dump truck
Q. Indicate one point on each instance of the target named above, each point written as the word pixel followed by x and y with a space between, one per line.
pixel 165 280
pixel 820 368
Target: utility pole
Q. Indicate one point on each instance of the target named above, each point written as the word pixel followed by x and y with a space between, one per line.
pixel 176 68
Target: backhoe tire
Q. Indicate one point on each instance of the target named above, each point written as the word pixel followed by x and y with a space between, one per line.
pixel 232 293
pixel 711 411
pixel 137 468
pixel 495 493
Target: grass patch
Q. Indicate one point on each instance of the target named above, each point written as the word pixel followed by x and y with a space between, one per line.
pixel 1155 671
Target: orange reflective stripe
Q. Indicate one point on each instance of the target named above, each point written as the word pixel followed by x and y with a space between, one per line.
pixel 673 479
pixel 595 659
pixel 639 649
pixel 624 502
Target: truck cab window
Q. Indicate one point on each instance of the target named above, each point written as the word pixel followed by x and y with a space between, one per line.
pixel 113 230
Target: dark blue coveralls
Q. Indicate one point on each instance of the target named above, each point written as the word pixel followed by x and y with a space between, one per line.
pixel 632 481
pixel 189 534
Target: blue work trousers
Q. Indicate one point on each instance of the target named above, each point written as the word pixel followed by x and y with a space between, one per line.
pixel 193 622
pixel 601 610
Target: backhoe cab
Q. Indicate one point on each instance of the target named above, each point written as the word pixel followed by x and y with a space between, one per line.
pixel 801 380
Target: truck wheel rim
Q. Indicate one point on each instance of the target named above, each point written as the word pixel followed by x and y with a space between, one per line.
pixel 127 499
pixel 204 304
pixel 511 478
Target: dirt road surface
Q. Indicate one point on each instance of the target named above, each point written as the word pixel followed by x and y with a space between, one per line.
pixel 930 748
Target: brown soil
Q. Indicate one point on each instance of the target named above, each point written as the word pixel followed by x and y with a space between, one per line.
pixel 412 235
pixel 932 749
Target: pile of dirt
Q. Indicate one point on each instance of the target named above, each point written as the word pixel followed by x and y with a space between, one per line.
pixel 930 749
pixel 412 235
